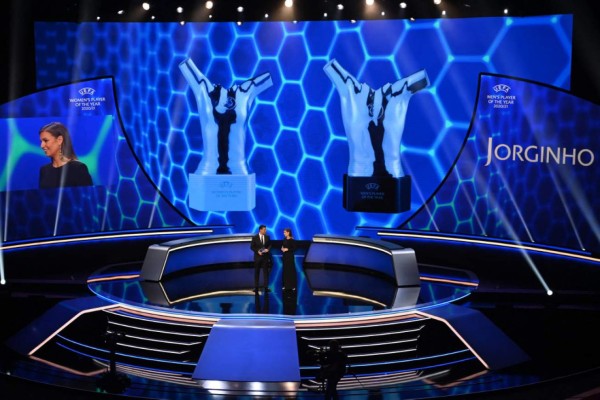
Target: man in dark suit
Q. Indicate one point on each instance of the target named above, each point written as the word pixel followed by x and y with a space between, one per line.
pixel 261 245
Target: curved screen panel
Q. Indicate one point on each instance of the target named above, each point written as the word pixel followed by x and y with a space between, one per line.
pixel 528 169
pixel 120 196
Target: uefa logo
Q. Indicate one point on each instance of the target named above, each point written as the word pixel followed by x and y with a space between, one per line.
pixel 226 185
pixel 501 88
pixel 87 91
pixel 372 186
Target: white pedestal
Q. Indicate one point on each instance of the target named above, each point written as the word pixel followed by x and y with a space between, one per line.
pixel 222 192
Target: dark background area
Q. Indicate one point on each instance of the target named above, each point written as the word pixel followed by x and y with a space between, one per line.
pixel 17 73
pixel 17 79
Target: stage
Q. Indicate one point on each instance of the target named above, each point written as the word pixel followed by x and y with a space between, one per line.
pixel 476 321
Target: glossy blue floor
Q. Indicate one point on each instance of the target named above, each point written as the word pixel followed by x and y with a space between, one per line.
pixel 479 325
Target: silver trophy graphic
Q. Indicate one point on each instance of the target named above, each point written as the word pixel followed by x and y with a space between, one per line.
pixel 222 181
pixel 374 123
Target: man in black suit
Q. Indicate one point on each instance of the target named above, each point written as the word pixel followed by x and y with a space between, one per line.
pixel 261 245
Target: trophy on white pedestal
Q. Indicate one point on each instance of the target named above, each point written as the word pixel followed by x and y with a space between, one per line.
pixel 222 181
pixel 374 124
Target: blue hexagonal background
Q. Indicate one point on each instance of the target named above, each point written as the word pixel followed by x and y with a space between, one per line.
pixel 295 127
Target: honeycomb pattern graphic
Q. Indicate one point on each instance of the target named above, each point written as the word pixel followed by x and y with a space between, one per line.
pixel 546 194
pixel 296 144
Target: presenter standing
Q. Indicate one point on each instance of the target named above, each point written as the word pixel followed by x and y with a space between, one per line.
pixel 261 245
pixel 288 247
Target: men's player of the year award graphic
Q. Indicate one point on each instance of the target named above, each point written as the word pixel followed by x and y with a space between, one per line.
pixel 374 123
pixel 222 182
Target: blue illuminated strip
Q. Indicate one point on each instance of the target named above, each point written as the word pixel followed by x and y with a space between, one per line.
pixel 121 355
pixel 420 359
pixel 356 346
pixel 148 339
pixel 352 242
pixel 138 328
pixel 386 380
pixel 369 335
pixel 94 237
pixel 311 368
pixel 495 243
pixel 169 318
pixel 347 296
pixel 164 376
pixel 124 345
pixel 387 316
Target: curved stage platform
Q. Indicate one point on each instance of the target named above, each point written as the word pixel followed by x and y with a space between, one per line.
pixel 430 318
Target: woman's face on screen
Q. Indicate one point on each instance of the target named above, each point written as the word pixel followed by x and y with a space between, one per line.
pixel 50 144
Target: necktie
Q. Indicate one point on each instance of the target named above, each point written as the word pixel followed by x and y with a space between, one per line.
pixel 262 239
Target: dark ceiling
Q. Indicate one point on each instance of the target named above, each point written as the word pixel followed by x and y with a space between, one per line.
pixel 17 76
pixel 226 10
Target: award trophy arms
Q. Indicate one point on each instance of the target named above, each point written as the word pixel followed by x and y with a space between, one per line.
pixel 222 181
pixel 374 124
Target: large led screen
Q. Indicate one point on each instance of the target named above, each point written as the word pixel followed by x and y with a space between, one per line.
pixel 292 131
pixel 89 111
pixel 528 169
